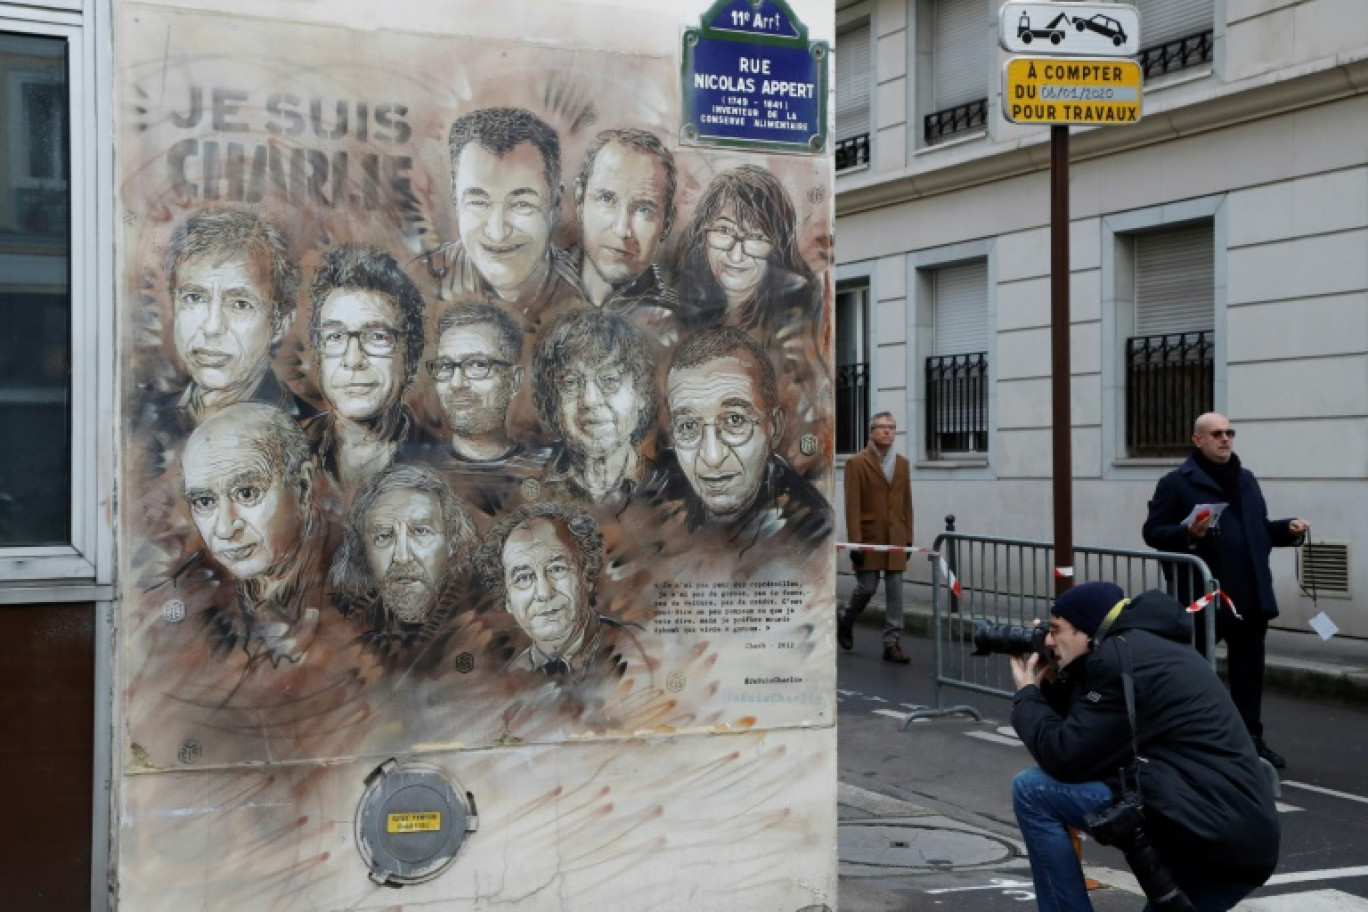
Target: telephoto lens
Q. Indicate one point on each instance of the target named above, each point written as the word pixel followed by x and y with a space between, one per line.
pixel 1010 639
pixel 1123 825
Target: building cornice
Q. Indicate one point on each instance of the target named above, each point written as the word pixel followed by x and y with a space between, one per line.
pixel 1256 98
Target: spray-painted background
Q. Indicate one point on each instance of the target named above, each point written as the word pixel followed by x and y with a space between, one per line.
pixel 468 417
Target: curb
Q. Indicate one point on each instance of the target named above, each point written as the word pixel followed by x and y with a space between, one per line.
pixel 1296 677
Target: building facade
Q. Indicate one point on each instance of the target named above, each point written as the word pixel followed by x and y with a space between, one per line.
pixel 1219 260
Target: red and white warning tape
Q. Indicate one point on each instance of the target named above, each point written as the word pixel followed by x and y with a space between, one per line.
pixel 1211 597
pixel 951 580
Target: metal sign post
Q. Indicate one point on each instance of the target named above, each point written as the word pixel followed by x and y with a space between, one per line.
pixel 1061 88
pixel 1060 373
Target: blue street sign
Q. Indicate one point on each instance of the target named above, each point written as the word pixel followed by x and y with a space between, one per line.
pixel 751 79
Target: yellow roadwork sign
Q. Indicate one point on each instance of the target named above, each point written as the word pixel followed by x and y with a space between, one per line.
pixel 1063 90
pixel 414 822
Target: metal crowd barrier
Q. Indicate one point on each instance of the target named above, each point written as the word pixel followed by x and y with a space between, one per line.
pixel 1012 581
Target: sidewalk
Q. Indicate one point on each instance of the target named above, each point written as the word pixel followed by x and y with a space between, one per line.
pixel 1298 663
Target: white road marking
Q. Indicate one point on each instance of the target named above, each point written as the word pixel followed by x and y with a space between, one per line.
pixel 1286 808
pixel 994 884
pixel 1310 876
pixel 1325 791
pixel 891 713
pixel 1312 901
pixel 994 738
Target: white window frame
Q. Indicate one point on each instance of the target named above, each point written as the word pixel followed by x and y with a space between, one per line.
pixel 82 569
pixel 1118 320
pixel 921 328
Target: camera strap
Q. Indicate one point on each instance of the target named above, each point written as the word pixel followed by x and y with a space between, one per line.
pixel 1128 689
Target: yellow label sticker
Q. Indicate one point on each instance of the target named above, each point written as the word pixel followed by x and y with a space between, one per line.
pixel 414 822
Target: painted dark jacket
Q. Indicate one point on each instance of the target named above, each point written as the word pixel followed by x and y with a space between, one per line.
pixel 1236 550
pixel 167 419
pixel 1206 794
pixel 878 512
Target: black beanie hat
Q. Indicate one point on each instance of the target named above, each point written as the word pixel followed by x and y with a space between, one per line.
pixel 1085 606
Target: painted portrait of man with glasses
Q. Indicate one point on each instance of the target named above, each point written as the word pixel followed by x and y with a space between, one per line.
pixel 725 427
pixel 366 332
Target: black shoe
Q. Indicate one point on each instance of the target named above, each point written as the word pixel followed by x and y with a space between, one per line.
pixel 895 655
pixel 845 634
pixel 1273 757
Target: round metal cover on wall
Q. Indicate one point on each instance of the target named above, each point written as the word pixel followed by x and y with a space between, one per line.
pixel 411 822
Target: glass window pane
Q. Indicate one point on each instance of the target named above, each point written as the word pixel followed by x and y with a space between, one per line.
pixel 35 292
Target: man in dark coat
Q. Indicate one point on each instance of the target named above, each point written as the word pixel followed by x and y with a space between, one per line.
pixel 1208 802
pixel 1235 544
pixel 878 506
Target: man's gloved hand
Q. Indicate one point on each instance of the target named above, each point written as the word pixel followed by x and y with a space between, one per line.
pixel 857 560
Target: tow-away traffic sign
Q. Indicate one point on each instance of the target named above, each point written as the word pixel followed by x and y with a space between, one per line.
pixel 1071 90
pixel 1071 29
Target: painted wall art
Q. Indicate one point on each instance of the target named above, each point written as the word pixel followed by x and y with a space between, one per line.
pixel 472 420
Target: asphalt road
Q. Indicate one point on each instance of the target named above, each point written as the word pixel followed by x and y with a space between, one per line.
pixel 926 817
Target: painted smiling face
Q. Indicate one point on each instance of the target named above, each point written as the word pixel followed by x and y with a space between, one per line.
pixel 224 322
pixel 507 212
pixel 738 254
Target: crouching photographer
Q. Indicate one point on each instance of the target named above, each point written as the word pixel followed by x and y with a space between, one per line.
pixel 1138 744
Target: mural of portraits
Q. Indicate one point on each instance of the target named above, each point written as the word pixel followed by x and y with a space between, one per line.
pixel 465 406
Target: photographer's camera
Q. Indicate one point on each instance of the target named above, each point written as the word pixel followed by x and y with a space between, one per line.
pixel 1011 639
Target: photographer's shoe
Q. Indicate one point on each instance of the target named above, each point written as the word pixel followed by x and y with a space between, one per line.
pixel 895 655
pixel 1273 757
pixel 845 633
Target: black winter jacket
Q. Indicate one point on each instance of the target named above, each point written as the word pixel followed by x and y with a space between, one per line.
pixel 1207 797
pixel 1236 550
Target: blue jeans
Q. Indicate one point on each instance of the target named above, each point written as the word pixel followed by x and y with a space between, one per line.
pixel 1045 808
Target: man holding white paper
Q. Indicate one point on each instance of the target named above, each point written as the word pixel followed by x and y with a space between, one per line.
pixel 1213 507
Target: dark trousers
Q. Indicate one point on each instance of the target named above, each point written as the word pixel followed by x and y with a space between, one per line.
pixel 1244 641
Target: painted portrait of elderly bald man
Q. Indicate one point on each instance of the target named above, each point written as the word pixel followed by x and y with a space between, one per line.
pixel 249 481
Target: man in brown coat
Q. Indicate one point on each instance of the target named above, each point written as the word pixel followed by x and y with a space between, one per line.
pixel 878 505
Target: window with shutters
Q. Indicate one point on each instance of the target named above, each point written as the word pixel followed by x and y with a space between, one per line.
pixel 956 374
pixel 1170 357
pixel 854 92
pixel 1175 34
pixel 956 50
pixel 852 365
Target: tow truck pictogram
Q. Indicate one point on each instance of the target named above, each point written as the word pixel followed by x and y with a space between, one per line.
pixel 1054 32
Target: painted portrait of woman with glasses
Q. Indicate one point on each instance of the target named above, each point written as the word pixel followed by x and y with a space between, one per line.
pixel 738 262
